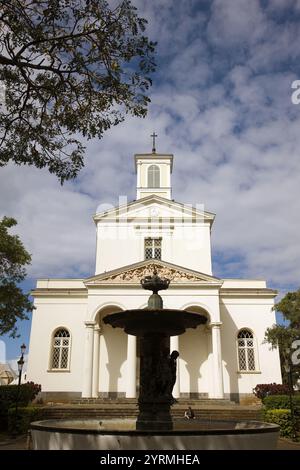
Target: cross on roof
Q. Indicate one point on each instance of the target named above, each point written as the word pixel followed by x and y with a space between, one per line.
pixel 153 142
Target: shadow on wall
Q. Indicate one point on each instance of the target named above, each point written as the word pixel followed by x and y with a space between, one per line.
pixel 229 352
pixel 115 343
pixel 194 351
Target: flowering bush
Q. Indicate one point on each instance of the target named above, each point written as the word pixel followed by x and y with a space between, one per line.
pixel 31 390
pixel 263 390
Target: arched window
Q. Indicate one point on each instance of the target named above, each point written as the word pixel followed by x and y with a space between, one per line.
pixel 153 176
pixel 60 356
pixel 246 354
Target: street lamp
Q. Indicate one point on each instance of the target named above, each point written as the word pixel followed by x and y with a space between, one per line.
pixel 289 372
pixel 20 363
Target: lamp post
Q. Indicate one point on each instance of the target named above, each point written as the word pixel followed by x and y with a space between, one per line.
pixel 289 372
pixel 20 363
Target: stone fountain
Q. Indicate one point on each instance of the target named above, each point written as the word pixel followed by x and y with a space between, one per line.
pixel 154 325
pixel 154 427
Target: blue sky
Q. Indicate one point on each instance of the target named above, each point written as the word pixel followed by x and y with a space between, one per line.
pixel 221 102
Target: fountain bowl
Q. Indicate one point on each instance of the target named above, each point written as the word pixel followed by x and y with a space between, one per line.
pixel 93 434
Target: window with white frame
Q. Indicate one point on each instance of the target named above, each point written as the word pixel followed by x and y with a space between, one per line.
pixel 246 350
pixel 60 355
pixel 153 248
pixel 153 176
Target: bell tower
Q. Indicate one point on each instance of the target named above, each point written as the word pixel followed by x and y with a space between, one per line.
pixel 153 173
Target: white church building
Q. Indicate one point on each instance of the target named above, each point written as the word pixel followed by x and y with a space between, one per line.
pixel 74 354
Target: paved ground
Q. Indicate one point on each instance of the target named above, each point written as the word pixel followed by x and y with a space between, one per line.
pixel 21 443
pixel 287 444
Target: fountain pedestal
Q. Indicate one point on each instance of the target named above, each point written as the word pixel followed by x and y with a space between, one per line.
pixel 154 325
pixel 155 397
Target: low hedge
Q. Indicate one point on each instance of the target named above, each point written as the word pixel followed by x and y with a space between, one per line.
pixel 9 394
pixel 25 393
pixel 19 424
pixel 282 402
pixel 281 417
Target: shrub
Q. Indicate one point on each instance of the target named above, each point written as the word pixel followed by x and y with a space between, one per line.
pixel 281 417
pixel 263 390
pixel 282 401
pixel 27 392
pixel 19 423
pixel 9 395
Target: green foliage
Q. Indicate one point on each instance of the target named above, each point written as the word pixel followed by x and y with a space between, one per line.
pixel 263 390
pixel 19 423
pixel 282 336
pixel 289 306
pixel 68 67
pixel 283 418
pixel 27 393
pixel 13 257
pixel 282 401
pixel 9 396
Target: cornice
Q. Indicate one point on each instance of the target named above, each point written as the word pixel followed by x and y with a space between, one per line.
pixel 153 156
pixel 122 211
pixel 247 292
pixel 55 292
pixel 173 285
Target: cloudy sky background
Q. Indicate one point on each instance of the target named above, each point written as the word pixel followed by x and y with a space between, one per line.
pixel 221 103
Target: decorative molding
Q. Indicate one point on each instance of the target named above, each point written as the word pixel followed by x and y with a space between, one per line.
pixel 134 274
pixel 249 372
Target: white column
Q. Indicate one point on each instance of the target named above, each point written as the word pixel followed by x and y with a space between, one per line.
pixel 131 367
pixel 217 360
pixel 174 346
pixel 88 359
pixel 96 354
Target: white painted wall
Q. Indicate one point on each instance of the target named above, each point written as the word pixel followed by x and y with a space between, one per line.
pixel 257 315
pixel 183 244
pixel 50 314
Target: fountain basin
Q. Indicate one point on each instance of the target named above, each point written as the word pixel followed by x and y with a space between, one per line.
pixel 92 434
pixel 139 322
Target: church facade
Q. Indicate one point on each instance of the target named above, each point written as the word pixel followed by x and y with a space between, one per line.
pixel 74 354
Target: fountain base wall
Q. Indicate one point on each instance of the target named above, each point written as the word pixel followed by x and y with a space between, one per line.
pixel 122 435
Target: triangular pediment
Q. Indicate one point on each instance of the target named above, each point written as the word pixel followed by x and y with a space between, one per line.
pixel 155 207
pixel 132 275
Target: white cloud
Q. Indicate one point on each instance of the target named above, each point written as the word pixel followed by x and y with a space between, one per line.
pixel 234 22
